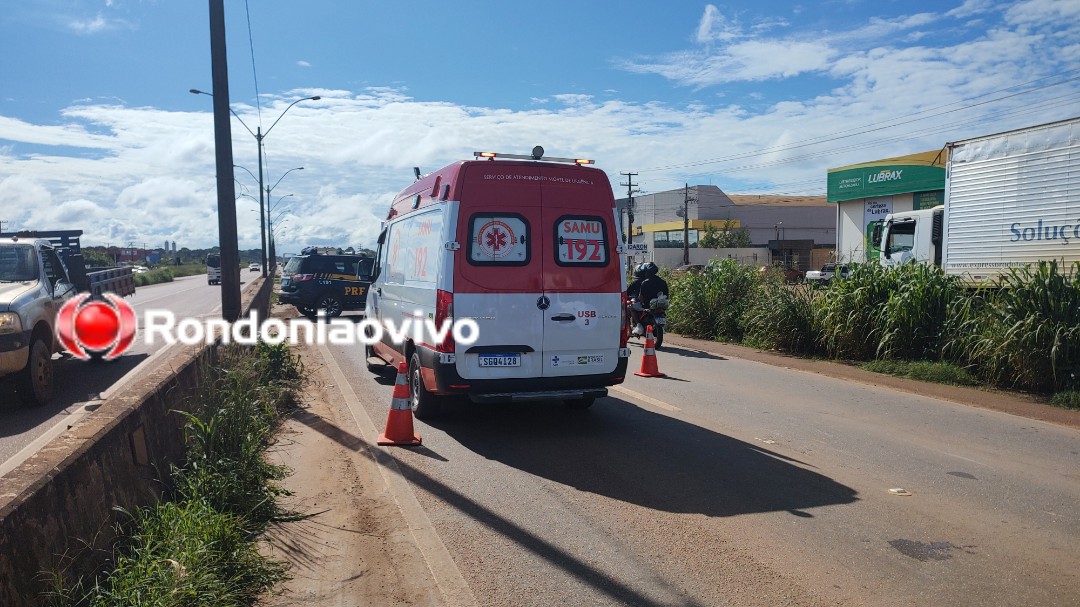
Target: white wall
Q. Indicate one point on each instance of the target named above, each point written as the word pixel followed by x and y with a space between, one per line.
pixel 851 231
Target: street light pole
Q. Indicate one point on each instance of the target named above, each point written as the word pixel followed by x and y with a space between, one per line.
pixel 259 136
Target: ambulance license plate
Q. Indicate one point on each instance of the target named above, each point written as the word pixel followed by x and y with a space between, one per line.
pixel 500 360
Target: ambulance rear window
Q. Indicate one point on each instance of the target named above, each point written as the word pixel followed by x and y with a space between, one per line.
pixel 498 239
pixel 580 240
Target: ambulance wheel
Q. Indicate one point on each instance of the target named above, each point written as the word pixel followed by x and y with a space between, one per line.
pixel 331 304
pixel 425 405
pixel 35 382
pixel 580 404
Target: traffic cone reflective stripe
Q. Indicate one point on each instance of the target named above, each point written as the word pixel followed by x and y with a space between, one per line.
pixel 648 361
pixel 399 422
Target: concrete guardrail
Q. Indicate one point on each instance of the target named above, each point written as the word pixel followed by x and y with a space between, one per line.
pixel 57 510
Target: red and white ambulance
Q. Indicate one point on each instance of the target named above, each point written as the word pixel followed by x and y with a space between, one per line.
pixel 526 247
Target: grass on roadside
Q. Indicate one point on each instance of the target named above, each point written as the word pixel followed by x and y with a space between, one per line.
pixel 1067 400
pixel 199 546
pixel 937 372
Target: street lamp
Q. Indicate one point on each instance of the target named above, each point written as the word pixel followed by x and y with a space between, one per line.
pixel 259 135
pixel 279 201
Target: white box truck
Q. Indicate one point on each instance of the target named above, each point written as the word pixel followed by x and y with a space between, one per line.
pixel 1011 199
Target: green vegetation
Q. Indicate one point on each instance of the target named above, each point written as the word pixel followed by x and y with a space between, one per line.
pixel 724 236
pixel 911 320
pixel 710 304
pixel 168 273
pixel 1067 400
pixel 199 546
pixel 937 372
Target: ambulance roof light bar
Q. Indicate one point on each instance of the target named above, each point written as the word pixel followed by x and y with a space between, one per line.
pixel 537 154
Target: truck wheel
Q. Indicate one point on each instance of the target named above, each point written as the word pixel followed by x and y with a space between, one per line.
pixel 36 380
pixel 425 405
pixel 331 304
pixel 579 404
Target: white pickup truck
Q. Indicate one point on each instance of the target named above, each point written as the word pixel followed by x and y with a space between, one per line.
pixel 34 284
pixel 827 273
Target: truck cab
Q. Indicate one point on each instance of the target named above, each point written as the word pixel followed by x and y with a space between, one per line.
pixel 910 237
pixel 34 284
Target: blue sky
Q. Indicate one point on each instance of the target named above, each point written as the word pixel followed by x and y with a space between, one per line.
pixel 98 131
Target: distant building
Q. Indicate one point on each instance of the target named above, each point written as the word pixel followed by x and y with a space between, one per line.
pixel 797 231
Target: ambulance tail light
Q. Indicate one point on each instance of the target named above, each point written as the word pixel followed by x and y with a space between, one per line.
pixel 624 332
pixel 302 277
pixel 444 313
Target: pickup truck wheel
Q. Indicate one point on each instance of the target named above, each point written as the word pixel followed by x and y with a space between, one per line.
pixel 36 380
pixel 425 405
pixel 331 304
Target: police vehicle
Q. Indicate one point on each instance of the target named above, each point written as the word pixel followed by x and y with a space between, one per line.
pixel 326 280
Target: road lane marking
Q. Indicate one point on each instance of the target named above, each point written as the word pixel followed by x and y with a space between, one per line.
pixel 35 445
pixel 443 569
pixel 646 399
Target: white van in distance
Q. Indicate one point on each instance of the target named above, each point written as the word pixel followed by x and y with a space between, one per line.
pixel 525 246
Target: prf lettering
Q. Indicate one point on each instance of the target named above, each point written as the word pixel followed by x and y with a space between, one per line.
pixel 354 291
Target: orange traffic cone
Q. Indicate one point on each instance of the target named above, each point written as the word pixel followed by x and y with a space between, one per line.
pixel 399 426
pixel 648 362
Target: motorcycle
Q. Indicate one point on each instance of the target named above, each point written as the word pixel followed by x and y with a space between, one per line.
pixel 653 316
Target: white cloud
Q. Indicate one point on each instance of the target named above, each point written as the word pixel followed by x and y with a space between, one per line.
pixel 972 7
pixel 96 24
pixel 751 60
pixel 1043 12
pixel 715 27
pixel 302 63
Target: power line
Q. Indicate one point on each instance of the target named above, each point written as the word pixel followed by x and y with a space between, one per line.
pixel 1034 109
pixel 870 128
pixel 254 74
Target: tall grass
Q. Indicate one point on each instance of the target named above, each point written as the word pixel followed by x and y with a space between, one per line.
pixel 1025 334
pixel 781 317
pixel 710 304
pixel 241 408
pixel 914 318
pixel 849 312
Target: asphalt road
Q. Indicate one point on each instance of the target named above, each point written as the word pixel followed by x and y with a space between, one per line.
pixel 734 482
pixel 79 383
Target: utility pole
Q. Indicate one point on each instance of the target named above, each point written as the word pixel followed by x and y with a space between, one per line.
pixel 686 224
pixel 630 185
pixel 226 190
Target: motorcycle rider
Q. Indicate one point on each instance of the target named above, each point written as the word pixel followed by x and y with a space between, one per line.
pixel 646 287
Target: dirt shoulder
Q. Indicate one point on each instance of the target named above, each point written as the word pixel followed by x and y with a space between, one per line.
pixel 997 400
pixel 356 549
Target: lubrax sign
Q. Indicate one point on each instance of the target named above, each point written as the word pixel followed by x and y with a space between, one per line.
pixel 923 172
